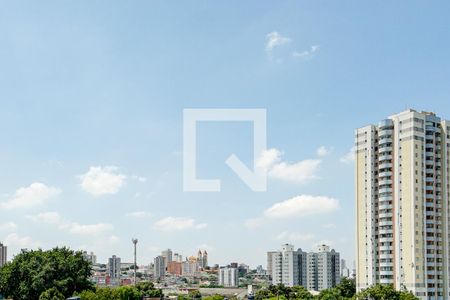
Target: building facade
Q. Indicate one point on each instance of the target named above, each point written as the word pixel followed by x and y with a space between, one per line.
pixel 190 266
pixel 270 255
pixel 323 269
pixel 175 268
pixel 113 268
pixel 314 270
pixel 159 267
pixel 178 257
pixel 167 254
pixel 402 198
pixel 202 259
pixel 90 257
pixel 228 277
pixel 288 266
pixel 3 254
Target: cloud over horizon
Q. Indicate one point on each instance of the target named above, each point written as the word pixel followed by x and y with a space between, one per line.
pixel 100 180
pixel 299 172
pixel 171 224
pixel 34 195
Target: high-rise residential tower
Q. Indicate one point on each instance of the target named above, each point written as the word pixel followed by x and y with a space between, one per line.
pixel 159 270
pixel 167 254
pixel 228 277
pixel 113 268
pixel 288 266
pixel 204 259
pixel 314 270
pixel 402 197
pixel 3 255
pixel 323 269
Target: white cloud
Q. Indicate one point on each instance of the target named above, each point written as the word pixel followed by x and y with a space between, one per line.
pixel 307 54
pixel 178 224
pixel 34 195
pixel 302 205
pixel 323 151
pixel 102 180
pixel 17 242
pixel 8 226
pixel 268 158
pixel 51 217
pixel 90 229
pixel 349 157
pixel 274 39
pixel 296 207
pixel 294 236
pixel 72 227
pixel 138 214
pixel 300 172
pixel 139 178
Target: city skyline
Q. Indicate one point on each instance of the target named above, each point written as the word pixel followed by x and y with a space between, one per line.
pixel 92 115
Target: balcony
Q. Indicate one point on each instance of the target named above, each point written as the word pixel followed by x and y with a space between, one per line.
pixel 384 181
pixel 385 157
pixel 384 166
pixel 385 174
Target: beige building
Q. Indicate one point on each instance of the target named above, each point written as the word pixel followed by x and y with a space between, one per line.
pixel 402 194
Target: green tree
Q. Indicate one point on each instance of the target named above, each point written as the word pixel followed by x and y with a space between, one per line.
pixel 148 289
pixel 51 294
pixel 128 293
pixel 281 292
pixel 263 294
pixel 31 273
pixel 347 287
pixel 299 292
pixel 405 295
pixel 195 294
pixel 384 292
pixel 214 297
pixel 331 294
pixel 100 294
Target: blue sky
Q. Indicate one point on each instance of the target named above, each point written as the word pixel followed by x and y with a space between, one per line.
pixel 92 95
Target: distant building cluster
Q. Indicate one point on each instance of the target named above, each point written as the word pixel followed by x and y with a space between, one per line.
pixel 174 264
pixel 313 270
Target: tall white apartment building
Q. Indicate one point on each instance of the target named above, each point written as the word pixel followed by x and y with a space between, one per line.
pixel 228 277
pixel 314 270
pixel 113 268
pixel 270 255
pixel 90 257
pixel 288 266
pixel 323 269
pixel 159 267
pixel 177 257
pixel 167 254
pixel 190 267
pixel 402 197
pixel 3 255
